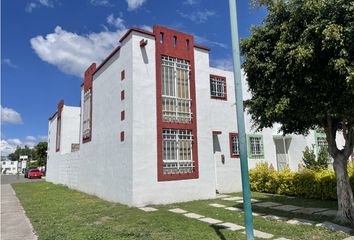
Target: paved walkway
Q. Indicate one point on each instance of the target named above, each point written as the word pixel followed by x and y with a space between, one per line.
pixel 14 223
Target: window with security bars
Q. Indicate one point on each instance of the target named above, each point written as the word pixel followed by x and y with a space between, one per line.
pixel 256 147
pixel 176 101
pixel 218 87
pixel 321 142
pixel 87 115
pixel 234 145
pixel 177 151
pixel 58 136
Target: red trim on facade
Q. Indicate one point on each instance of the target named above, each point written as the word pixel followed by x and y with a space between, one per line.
pixel 88 79
pixel 143 42
pixel 122 75
pixel 122 115
pixel 225 87
pixel 122 95
pixel 136 30
pixel 231 135
pixel 177 49
pixel 202 47
pixel 217 132
pixel 122 136
pixel 59 111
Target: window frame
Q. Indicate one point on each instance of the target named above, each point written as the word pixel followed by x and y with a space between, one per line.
pixel 217 77
pixel 86 137
pixel 231 136
pixel 255 156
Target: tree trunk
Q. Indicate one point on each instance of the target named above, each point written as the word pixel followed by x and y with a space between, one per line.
pixel 344 191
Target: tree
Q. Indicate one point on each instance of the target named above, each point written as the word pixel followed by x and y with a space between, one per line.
pixel 15 156
pixel 40 153
pixel 300 70
pixel 310 161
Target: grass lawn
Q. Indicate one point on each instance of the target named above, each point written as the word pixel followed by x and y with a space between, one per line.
pixel 57 212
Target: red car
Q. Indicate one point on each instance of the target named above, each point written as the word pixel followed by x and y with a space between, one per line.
pixel 34 173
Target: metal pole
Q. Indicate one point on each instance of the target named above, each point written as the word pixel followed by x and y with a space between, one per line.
pixel 241 121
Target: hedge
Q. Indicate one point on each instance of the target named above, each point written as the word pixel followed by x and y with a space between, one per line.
pixel 307 183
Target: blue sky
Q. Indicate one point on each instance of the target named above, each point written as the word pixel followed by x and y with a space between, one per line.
pixel 46 45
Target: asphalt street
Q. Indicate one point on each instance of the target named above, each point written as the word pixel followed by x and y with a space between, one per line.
pixel 9 179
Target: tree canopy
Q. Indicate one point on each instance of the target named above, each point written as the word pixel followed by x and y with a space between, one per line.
pixel 300 66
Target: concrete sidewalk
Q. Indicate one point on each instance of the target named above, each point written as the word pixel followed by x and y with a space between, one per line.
pixel 14 223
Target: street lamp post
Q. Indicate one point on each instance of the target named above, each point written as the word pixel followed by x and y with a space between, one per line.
pixel 241 121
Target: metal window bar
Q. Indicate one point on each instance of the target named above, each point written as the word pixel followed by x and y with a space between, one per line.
pixel 176 102
pixel 177 151
pixel 87 114
pixel 217 87
pixel 235 146
pixel 256 147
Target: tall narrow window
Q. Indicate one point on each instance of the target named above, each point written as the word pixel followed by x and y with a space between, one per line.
pixel 58 134
pixel 176 102
pixel 218 87
pixel 255 146
pixel 177 151
pixel 87 115
pixel 234 145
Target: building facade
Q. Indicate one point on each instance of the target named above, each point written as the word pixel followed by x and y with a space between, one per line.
pixel 157 125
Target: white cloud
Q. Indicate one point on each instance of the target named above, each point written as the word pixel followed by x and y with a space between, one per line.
pixel 14 141
pixel 10 116
pixel 223 63
pixel 134 4
pixel 6 148
pixel 31 138
pixel 9 63
pixel 198 16
pixel 117 22
pixel 37 4
pixel 104 3
pixel 73 53
pixel 146 27
pixel 209 43
pixel 42 138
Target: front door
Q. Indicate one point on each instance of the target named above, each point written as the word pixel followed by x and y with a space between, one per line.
pixel 281 148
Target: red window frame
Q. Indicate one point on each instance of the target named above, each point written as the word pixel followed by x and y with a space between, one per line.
pixel 225 87
pixel 88 85
pixel 232 135
pixel 122 115
pixel 122 95
pixel 122 136
pixel 122 75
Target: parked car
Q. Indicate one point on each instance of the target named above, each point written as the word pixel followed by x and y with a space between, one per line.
pixel 34 173
pixel 25 171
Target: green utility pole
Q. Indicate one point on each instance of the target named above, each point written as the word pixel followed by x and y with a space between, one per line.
pixel 241 121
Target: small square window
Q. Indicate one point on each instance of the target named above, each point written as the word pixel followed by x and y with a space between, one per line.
pixel 218 87
pixel 255 146
pixel 122 115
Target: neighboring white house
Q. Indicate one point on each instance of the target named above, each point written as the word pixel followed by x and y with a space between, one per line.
pixel 157 125
pixel 12 167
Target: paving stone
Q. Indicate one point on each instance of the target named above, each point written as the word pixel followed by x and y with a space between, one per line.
pixel 252 200
pixel 210 220
pixel 261 234
pixel 276 218
pixel 231 226
pixel 334 227
pixel 177 210
pixel 257 214
pixel 299 221
pixel 233 209
pixel 148 209
pixel 349 238
pixel 193 215
pixel 282 238
pixel 217 205
pixel 287 208
pixel 310 210
pixel 267 204
pixel 329 213
pixel 232 198
pixel 222 196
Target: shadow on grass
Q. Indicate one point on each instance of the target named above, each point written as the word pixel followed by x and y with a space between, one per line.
pixel 218 232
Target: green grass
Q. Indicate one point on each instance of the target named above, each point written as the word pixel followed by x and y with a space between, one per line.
pixel 57 212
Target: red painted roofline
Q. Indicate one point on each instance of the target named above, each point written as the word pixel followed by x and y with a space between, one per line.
pixel 52 116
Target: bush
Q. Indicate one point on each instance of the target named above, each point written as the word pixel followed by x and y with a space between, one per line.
pixel 307 183
pixel 310 161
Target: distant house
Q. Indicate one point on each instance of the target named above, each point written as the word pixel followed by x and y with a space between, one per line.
pixel 158 125
pixel 13 167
